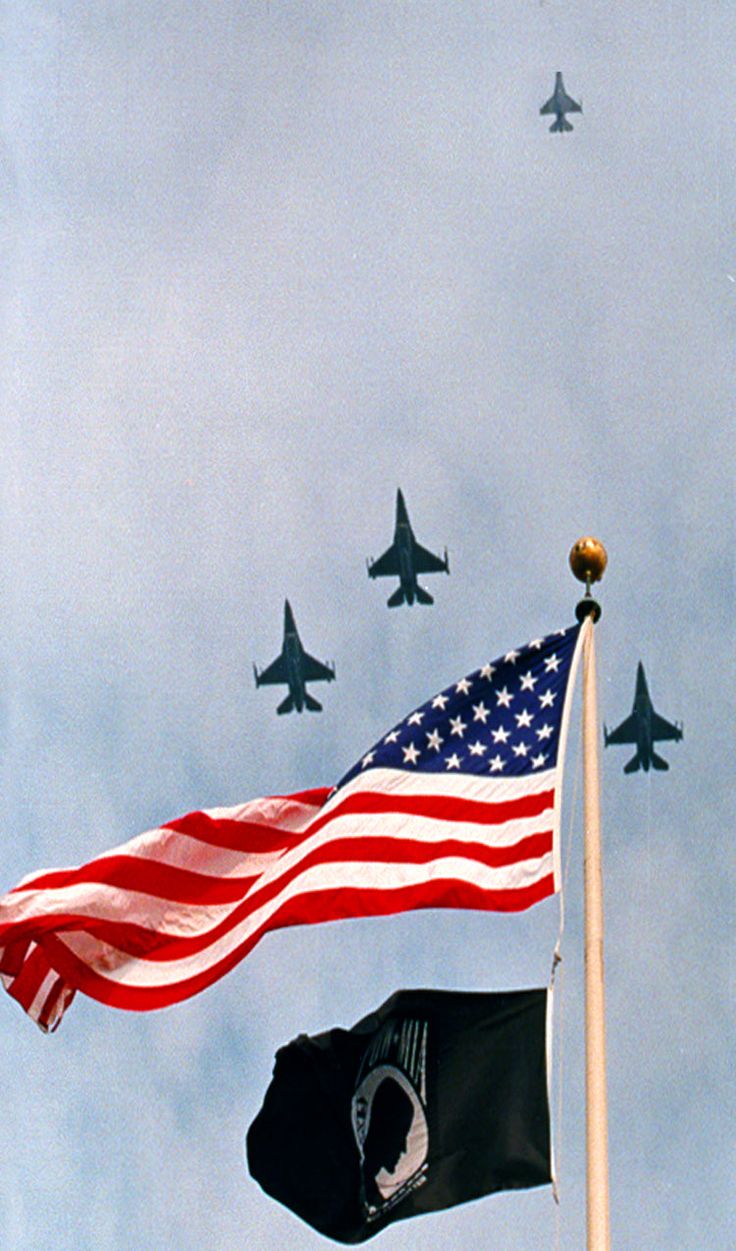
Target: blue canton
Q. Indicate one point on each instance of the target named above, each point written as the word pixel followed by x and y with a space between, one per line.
pixel 503 719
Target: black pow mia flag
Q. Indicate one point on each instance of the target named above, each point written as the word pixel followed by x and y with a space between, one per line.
pixel 436 1098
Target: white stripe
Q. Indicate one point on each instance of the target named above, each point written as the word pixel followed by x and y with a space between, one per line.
pixel 178 919
pixel 179 851
pixel 275 814
pixel 278 812
pixel 562 745
pixel 489 790
pixel 36 1006
pixel 62 1003
pixel 417 830
pixel 296 817
pixel 115 966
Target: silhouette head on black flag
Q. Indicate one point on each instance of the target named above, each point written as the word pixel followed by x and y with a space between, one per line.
pixel 391 1116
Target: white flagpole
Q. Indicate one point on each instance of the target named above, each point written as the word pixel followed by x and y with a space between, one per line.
pixel 588 560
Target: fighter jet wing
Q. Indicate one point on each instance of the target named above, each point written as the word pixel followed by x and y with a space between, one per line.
pixel 624 733
pixel 427 562
pixel 315 671
pixel 274 673
pixel 662 729
pixel 387 565
pixel 566 104
pixel 549 107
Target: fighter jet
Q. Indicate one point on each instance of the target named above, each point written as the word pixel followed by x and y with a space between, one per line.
pixel 404 559
pixel 560 103
pixel 645 728
pixel 295 667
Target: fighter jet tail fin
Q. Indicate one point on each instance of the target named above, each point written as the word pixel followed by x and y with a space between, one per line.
pixel 658 762
pixel 423 597
pixel 397 598
pixel 633 764
pixel 559 125
pixel 311 703
pixel 287 705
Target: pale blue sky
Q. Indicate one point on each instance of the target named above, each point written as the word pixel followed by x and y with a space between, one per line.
pixel 264 263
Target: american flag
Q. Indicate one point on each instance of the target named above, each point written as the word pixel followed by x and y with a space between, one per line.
pixel 457 806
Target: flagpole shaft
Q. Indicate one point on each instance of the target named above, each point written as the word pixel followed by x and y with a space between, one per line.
pixel 596 1113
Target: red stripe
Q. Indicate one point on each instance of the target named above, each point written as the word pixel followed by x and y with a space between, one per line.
pixel 186 886
pixel 26 984
pixel 164 881
pixel 141 942
pixel 328 905
pixel 315 797
pixel 13 955
pixel 230 835
pixel 127 873
pixel 438 807
pixel 241 834
pixel 207 829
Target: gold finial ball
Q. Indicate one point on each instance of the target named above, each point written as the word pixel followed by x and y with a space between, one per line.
pixel 588 559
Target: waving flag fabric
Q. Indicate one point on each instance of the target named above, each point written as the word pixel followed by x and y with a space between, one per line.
pixel 436 1098
pixel 456 807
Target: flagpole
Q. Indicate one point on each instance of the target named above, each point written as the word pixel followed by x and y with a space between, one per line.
pixel 588 560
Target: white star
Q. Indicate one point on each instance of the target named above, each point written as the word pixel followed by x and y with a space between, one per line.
pixel 453 761
pixel 500 735
pixel 416 718
pixel 367 759
pixel 392 737
pixel 562 632
pixel 477 749
pixel 480 712
pixel 519 749
pixel 545 731
pixel 458 726
pixel 511 657
pixel 463 687
pixel 488 671
pixel 528 682
pixel 552 664
pixel 523 718
pixel 539 760
pixel 411 755
pixel 547 700
pixel 439 701
pixel 434 741
pixel 503 697
pixel 536 644
pixel 496 764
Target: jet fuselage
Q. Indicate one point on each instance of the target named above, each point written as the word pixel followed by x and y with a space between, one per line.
pixel 404 538
pixel 293 655
pixel 643 709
